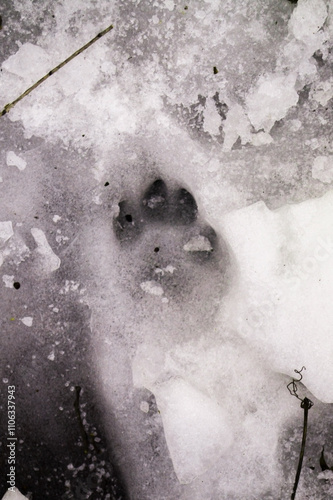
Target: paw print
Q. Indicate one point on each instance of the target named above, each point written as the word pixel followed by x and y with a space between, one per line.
pixel 169 251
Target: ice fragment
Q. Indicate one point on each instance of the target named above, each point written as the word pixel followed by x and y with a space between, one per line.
pixel 322 169
pixel 13 160
pixel 27 321
pixel 51 261
pixel 152 287
pixel 198 244
pixel 6 231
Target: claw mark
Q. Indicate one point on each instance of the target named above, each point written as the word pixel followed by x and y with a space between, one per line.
pixel 10 105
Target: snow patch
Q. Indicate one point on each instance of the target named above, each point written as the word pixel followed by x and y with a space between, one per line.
pixel 50 261
pixel 284 260
pixel 198 244
pixel 261 139
pixel 236 125
pixel 307 18
pixel 51 356
pixel 30 63
pixel 271 100
pixel 169 4
pixel 27 321
pixel 212 120
pixel 152 288
pixel 322 169
pixel 8 280
pixel 144 406
pixel 6 231
pixel 322 92
pixel 195 426
pixel 13 160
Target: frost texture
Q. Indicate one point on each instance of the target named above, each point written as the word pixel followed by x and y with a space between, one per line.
pixel 323 169
pixel 308 18
pixel 271 101
pixel 191 376
pixel 50 261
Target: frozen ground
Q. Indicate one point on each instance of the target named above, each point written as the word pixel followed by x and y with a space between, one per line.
pixel 166 243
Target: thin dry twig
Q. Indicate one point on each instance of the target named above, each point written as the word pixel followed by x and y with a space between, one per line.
pixel 306 404
pixel 83 432
pixel 292 386
pixel 9 106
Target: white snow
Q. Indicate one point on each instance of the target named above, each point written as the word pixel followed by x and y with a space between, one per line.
pixel 322 169
pixel 6 231
pixel 307 18
pixel 212 120
pixel 327 475
pixel 285 268
pixel 8 280
pixel 147 365
pixel 27 321
pixel 322 92
pixel 70 286
pixel 236 125
pixel 169 4
pixel 284 263
pixel 168 269
pixel 261 139
pixel 50 261
pixel 195 426
pixel 198 244
pixel 27 59
pixel 134 103
pixel 13 160
pixel 51 356
pixel 270 101
pixel 152 288
pixel 144 406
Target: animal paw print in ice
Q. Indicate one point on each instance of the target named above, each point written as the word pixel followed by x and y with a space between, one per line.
pixel 170 252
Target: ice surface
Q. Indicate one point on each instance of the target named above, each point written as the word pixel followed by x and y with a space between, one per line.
pixel 190 346
pixel 285 266
pixel 195 426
